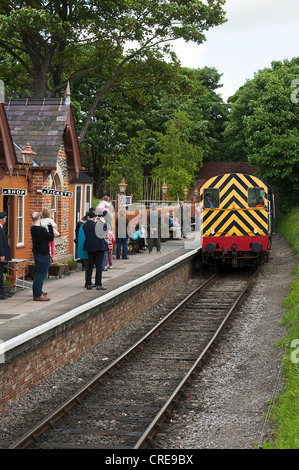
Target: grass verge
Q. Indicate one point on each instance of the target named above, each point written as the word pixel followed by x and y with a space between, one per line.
pixel 286 408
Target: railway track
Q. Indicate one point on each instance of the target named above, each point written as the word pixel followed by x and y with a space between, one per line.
pixel 124 405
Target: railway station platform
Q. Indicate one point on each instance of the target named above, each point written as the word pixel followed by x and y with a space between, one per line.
pixel 132 286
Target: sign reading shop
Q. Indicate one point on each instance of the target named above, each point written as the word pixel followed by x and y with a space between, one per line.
pixel 56 192
pixel 14 192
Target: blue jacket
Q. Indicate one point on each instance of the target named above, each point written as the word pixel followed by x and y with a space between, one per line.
pixel 81 253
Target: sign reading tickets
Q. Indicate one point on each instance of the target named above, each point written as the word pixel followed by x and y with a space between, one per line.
pixel 14 192
pixel 57 192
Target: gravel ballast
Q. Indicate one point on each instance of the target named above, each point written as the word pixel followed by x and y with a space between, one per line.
pixel 229 405
pixel 228 401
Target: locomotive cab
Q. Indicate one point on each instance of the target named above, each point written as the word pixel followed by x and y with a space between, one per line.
pixel 237 220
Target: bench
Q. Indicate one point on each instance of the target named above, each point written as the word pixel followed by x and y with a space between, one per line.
pixel 133 246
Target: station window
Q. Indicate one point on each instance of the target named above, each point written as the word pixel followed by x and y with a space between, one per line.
pixel 88 201
pixel 256 197
pixel 211 198
pixel 20 220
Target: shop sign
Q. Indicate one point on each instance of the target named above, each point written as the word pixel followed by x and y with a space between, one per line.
pixel 14 192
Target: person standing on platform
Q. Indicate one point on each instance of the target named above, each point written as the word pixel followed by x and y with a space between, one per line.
pixel 184 217
pixel 41 237
pixel 122 234
pixel 95 246
pixel 81 249
pixel 154 229
pixel 5 254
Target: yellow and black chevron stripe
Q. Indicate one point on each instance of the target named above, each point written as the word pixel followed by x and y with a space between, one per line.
pixel 233 217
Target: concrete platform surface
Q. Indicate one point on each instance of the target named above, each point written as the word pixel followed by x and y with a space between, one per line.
pixel 21 317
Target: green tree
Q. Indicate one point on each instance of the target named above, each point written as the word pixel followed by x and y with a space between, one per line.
pixel 52 42
pixel 178 160
pixel 131 166
pixel 207 111
pixel 118 119
pixel 263 126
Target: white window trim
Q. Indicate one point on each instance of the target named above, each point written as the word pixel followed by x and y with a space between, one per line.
pixel 90 198
pixel 20 200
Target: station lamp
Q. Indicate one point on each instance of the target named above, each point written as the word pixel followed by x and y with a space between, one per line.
pixel 122 189
pixel 122 186
pixel 164 191
pixel 27 157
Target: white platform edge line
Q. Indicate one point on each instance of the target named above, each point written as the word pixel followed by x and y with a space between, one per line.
pixel 20 339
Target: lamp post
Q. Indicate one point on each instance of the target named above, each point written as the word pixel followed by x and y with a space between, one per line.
pixel 122 189
pixel 185 191
pixel 196 193
pixel 164 192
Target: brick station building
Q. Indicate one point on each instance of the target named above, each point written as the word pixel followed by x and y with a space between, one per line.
pixel 54 180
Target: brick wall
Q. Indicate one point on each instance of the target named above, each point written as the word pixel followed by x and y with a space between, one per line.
pixel 38 361
pixel 38 201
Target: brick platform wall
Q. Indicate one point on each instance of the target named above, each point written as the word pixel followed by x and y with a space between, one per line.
pixel 38 360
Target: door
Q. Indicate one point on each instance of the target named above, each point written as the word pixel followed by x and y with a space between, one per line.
pixel 7 207
pixel 78 214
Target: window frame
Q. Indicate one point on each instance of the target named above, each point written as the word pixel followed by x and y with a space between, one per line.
pixel 87 201
pixel 20 204
pixel 215 197
pixel 252 205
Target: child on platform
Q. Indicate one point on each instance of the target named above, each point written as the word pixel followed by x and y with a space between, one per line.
pixel 110 240
pixel 45 221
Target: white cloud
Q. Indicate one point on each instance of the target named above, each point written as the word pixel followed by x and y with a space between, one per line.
pixel 256 33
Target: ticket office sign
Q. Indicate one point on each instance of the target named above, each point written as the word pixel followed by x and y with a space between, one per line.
pixel 57 192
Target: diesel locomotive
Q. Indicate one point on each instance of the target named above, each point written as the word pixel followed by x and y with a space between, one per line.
pixel 237 220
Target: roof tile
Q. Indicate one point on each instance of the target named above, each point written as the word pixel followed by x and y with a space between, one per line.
pixel 42 125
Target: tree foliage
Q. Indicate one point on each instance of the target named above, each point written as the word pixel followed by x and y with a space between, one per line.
pixel 107 143
pixel 178 160
pixel 263 127
pixel 50 42
pixel 131 165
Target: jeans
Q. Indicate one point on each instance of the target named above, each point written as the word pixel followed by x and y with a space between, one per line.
pixel 42 263
pixel 124 242
pixel 104 261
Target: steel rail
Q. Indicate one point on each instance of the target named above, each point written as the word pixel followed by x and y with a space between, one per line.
pixel 162 414
pixel 40 428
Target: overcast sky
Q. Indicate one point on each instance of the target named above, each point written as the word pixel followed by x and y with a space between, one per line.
pixel 256 33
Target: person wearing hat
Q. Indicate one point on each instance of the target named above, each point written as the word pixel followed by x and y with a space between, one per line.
pixel 5 254
pixel 95 246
